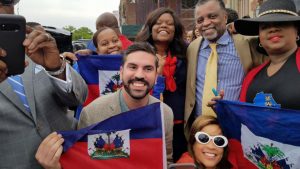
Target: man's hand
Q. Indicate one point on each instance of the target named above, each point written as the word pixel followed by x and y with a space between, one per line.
pixel 161 63
pixel 3 67
pixel 71 57
pixel 212 102
pixel 41 48
pixel 231 28
pixel 49 151
pixel 84 52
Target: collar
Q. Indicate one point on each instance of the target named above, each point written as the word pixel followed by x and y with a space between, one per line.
pixel 123 105
pixel 223 40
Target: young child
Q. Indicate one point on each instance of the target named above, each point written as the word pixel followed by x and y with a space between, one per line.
pixel 106 41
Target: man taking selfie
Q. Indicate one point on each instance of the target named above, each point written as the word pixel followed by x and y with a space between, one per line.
pixel 35 103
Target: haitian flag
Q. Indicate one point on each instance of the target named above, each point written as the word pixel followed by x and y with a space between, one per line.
pixel 101 73
pixel 260 137
pixel 145 150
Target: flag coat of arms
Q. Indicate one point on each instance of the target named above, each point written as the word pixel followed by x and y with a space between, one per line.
pixel 144 150
pixel 260 137
pixel 101 73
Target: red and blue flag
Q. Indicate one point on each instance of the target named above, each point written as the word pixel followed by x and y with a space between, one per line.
pixel 260 137
pixel 101 73
pixel 146 148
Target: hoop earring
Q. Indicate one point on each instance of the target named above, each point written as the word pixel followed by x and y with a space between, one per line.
pixel 260 45
pixel 297 38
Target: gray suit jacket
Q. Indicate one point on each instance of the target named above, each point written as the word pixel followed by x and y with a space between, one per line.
pixel 22 132
pixel 107 106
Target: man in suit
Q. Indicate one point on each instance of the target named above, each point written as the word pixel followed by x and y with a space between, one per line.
pixel 138 73
pixel 50 86
pixel 236 55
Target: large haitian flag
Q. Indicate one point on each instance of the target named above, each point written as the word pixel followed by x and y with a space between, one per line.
pixel 260 137
pixel 130 140
pixel 101 73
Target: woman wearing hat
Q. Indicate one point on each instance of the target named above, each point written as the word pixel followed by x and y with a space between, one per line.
pixel 277 26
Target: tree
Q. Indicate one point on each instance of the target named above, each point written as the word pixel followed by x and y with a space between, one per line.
pixel 70 28
pixel 80 33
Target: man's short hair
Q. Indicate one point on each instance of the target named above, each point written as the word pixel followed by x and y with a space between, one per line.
pixel 232 15
pixel 33 24
pixel 140 46
pixel 221 3
pixel 107 19
pixel 9 2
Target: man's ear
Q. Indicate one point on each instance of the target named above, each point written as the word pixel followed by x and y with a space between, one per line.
pixel 156 76
pixel 226 16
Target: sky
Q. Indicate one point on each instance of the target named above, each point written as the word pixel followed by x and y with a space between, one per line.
pixel 60 13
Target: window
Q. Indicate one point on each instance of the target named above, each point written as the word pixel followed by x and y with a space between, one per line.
pixel 186 4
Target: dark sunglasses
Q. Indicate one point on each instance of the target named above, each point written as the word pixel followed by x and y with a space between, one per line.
pixel 204 138
pixel 9 2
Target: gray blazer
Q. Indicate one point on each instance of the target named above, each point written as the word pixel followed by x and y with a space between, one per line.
pixel 22 132
pixel 107 106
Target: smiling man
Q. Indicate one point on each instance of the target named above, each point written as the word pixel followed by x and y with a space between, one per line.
pixel 138 73
pixel 232 57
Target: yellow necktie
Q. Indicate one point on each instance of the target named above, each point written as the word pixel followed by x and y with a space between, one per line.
pixel 210 80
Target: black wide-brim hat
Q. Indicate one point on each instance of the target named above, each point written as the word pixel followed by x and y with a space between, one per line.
pixel 270 11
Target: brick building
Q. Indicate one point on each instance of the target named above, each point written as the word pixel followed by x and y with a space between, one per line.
pixel 133 13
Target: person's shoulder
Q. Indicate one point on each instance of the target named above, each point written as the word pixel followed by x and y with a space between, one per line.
pixel 195 43
pixel 102 101
pixel 238 36
pixel 167 109
pixel 243 37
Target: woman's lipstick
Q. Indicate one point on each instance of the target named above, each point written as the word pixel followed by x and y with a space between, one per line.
pixel 275 38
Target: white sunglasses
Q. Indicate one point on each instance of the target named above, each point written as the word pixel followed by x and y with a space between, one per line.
pixel 204 138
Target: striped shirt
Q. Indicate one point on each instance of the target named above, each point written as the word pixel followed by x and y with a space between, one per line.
pixel 230 70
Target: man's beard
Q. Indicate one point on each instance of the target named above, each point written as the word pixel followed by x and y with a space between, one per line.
pixel 212 36
pixel 131 93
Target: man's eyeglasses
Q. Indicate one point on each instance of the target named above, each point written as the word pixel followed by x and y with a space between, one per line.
pixel 8 2
pixel 204 138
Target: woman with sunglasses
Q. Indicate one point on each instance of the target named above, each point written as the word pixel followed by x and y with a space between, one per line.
pixel 207 145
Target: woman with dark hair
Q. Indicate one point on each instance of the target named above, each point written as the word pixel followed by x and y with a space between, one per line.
pixel 207 145
pixel 106 41
pixel 196 32
pixel 164 31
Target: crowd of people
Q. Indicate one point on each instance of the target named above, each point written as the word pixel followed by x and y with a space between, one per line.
pixel 237 57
